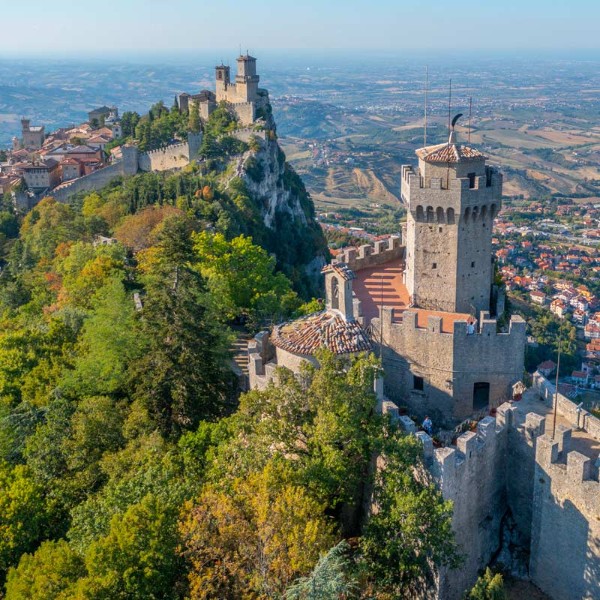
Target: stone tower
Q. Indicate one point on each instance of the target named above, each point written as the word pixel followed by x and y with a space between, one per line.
pixel 452 200
pixel 338 289
pixel 246 81
pixel 222 77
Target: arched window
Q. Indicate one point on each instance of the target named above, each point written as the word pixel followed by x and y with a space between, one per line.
pixel 475 213
pixel 493 211
pixel 467 214
pixel 420 214
pixel 335 293
pixel 439 213
pixel 483 213
pixel 430 214
pixel 450 216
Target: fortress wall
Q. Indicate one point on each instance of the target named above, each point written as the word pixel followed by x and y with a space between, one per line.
pixel 449 363
pixel 472 476
pixel 520 469
pixel 244 111
pixel 245 135
pixel 89 183
pixel 565 535
pixel 371 255
pixel 487 356
pixel 566 407
pixel 175 156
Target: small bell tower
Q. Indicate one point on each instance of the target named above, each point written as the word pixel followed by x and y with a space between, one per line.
pixel 338 289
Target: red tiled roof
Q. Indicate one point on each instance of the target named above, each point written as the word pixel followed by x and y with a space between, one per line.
pixel 323 329
pixel 448 153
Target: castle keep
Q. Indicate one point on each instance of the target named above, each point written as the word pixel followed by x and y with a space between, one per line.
pixel 243 96
pixel 430 303
pixel 525 493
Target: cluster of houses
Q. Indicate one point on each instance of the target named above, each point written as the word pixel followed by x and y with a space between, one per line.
pixel 43 162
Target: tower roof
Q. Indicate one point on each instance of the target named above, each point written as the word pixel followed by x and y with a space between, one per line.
pixel 341 269
pixel 449 153
pixel 246 57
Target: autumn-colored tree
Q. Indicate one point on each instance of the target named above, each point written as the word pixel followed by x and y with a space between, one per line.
pixel 253 541
pixel 142 229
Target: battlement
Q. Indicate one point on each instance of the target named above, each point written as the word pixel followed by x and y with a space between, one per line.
pixel 371 255
pixel 575 414
pixel 449 324
pixel 413 180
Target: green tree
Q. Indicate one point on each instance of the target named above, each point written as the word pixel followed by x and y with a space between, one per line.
pixel 22 514
pixel 489 586
pixel 137 558
pixel 184 376
pixel 331 578
pixel 110 342
pixel 410 534
pixel 243 279
pixel 48 574
pixel 194 122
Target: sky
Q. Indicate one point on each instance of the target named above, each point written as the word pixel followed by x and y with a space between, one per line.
pixel 109 27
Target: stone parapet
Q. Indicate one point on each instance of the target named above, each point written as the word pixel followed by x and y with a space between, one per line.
pixel 371 255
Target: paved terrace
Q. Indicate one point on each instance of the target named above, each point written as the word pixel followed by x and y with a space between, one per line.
pixel 383 286
pixel 580 439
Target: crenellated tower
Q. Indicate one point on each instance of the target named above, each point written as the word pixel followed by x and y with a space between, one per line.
pixel 452 200
pixel 246 80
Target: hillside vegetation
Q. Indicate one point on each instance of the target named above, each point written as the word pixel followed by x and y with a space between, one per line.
pixel 130 468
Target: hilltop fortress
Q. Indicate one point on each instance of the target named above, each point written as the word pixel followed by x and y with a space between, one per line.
pixel 243 96
pixel 526 494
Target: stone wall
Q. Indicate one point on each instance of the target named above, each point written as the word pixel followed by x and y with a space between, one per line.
pixel 264 359
pixel 371 255
pixel 175 156
pixel 472 476
pixel 565 535
pixel 88 183
pixel 579 417
pixel 509 467
pixel 449 363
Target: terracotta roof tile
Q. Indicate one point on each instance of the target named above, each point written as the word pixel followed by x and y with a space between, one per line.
pixel 448 153
pixel 323 329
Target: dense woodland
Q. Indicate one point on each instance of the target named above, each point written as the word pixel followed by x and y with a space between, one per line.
pixel 131 468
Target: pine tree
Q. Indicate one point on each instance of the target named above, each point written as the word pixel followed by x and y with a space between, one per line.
pixel 184 377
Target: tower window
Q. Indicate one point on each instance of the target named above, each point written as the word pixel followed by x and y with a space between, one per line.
pixel 472 263
pixel 434 266
pixel 440 229
pixel 418 383
pixel 471 177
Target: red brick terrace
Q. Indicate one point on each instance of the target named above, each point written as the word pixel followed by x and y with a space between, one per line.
pixel 382 286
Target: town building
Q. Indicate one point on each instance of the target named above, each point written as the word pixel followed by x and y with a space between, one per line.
pixel 32 136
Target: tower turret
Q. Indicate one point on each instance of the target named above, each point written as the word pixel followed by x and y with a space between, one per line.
pixel 246 80
pixel 222 78
pixel 452 200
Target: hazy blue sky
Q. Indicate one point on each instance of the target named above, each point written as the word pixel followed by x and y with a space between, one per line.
pixel 77 27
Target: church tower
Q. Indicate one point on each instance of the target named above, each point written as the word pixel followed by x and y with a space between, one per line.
pixel 222 81
pixel 246 81
pixel 452 200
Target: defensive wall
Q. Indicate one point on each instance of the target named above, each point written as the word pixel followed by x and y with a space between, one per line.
pixel 371 255
pixel 434 371
pixel 510 471
pixel 174 156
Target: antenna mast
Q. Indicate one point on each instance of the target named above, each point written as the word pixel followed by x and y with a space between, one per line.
pixel 426 90
pixel 449 108
pixel 470 111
